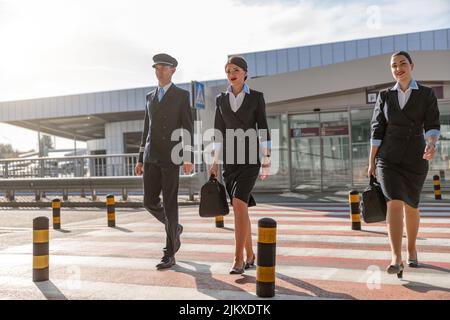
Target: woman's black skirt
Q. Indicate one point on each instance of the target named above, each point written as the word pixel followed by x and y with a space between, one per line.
pixel 400 181
pixel 240 180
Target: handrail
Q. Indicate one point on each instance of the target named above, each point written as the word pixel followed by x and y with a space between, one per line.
pixel 124 183
pixel 92 156
pixel 71 166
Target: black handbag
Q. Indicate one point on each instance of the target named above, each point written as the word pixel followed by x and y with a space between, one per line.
pixel 373 203
pixel 213 199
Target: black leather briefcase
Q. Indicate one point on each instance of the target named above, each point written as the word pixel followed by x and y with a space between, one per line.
pixel 373 204
pixel 213 199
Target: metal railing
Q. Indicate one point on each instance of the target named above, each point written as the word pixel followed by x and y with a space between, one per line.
pixel 73 166
pixel 93 173
pixel 91 185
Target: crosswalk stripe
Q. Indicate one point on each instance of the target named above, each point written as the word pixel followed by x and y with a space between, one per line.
pixel 73 246
pixel 308 218
pixel 221 268
pixel 438 242
pixel 314 244
pixel 324 227
pixel 117 291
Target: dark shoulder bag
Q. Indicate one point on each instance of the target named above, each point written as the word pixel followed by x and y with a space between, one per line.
pixel 213 199
pixel 373 203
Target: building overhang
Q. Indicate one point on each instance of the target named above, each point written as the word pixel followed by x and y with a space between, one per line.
pixel 55 116
pixel 347 77
pixel 82 128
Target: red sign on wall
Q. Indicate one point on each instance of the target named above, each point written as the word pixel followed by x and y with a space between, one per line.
pixel 335 131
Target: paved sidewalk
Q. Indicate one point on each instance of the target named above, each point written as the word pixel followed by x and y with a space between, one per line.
pixel 318 256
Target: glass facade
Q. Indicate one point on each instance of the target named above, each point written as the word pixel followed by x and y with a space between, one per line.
pixel 330 149
pixel 279 178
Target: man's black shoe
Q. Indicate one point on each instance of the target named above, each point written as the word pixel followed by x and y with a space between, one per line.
pixel 166 262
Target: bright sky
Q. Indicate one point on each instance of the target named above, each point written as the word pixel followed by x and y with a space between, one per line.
pixel 57 47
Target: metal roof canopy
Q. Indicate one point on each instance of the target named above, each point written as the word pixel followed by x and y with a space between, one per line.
pixel 82 128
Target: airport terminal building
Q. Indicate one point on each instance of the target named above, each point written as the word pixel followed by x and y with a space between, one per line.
pixel 319 97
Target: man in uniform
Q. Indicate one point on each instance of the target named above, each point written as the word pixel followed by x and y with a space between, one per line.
pixel 167 109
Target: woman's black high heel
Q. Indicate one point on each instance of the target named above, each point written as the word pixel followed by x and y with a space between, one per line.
pixel 250 263
pixel 237 270
pixel 396 269
pixel 413 263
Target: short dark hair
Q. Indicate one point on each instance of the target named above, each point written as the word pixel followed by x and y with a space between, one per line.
pixel 403 53
pixel 239 61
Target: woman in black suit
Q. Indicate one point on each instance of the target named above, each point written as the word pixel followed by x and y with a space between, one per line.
pixel 241 110
pixel 401 116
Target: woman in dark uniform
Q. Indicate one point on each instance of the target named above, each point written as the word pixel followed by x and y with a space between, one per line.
pixel 241 110
pixel 401 116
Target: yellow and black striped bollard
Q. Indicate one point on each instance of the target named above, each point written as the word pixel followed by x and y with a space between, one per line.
pixel 56 208
pixel 219 222
pixel 355 212
pixel 437 187
pixel 111 210
pixel 265 263
pixel 40 249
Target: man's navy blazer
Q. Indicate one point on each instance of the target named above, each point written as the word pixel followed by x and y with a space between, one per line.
pixel 162 118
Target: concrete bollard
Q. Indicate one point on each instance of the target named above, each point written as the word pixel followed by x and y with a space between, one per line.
pixel 437 187
pixel 111 210
pixel 56 210
pixel 355 213
pixel 219 222
pixel 40 249
pixel 266 259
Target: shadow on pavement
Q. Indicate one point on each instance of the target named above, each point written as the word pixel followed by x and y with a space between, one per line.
pixel 278 290
pixel 317 291
pixel 423 287
pixel 430 266
pixel 123 229
pixel 63 231
pixel 227 228
pixel 50 291
pixel 208 285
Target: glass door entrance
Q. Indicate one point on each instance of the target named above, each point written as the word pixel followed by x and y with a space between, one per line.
pixel 305 151
pixel 320 154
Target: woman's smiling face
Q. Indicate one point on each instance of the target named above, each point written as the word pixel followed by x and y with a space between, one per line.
pixel 235 74
pixel 401 68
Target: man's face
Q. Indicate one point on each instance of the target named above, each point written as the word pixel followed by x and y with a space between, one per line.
pixel 164 73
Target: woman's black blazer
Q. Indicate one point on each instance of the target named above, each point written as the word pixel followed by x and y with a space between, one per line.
pixel 402 130
pixel 251 115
